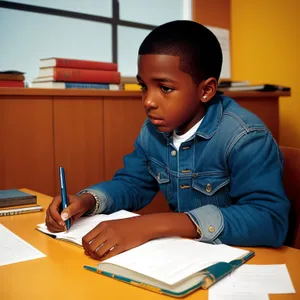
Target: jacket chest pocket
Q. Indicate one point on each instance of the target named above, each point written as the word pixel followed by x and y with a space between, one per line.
pixel 162 176
pixel 212 189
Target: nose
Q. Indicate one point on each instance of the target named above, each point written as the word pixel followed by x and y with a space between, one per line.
pixel 149 101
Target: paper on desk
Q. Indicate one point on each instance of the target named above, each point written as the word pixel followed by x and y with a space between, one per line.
pixel 14 249
pixel 263 279
pixel 237 296
pixel 224 290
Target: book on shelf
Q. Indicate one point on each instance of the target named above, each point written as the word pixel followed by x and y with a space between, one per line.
pixel 79 75
pixel 11 83
pixel 173 266
pixel 128 79
pixel 12 77
pixel 229 83
pixel 73 85
pixel 131 87
pixel 256 87
pixel 15 197
pixel 77 64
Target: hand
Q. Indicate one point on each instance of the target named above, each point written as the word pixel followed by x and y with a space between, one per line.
pixel 113 237
pixel 78 205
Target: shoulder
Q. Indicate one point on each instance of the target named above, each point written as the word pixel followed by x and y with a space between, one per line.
pixel 235 114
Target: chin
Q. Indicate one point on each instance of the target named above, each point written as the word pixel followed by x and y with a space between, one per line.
pixel 164 129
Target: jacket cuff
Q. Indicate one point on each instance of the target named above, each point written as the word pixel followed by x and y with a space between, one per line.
pixel 101 201
pixel 209 221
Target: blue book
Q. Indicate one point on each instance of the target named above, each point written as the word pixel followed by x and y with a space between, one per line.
pixel 16 197
pixel 39 83
pixel 175 272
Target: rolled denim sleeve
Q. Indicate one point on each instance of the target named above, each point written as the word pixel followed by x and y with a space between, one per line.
pixel 209 222
pixel 100 197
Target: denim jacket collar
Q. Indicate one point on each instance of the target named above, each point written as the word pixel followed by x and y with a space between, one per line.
pixel 211 121
pixel 212 118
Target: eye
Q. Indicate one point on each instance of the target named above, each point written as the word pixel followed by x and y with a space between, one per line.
pixel 166 89
pixel 143 86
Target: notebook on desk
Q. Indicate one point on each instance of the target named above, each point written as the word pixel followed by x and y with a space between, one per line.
pixel 173 266
pixel 15 197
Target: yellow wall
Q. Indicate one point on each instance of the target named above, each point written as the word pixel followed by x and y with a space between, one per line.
pixel 265 36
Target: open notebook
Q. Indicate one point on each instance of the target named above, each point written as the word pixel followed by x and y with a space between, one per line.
pixel 172 266
pixel 84 225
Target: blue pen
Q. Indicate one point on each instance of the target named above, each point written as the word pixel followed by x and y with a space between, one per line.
pixel 63 192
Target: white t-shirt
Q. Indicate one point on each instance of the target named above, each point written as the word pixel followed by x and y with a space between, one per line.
pixel 179 139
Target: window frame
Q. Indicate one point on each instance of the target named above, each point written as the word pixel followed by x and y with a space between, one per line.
pixel 114 21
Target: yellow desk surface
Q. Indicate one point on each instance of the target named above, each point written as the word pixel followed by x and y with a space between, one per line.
pixel 60 275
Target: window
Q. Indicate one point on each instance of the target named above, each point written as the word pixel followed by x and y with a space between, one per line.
pixel 106 30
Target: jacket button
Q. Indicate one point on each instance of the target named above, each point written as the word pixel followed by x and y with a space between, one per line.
pixel 158 176
pixel 208 187
pixel 173 153
pixel 211 229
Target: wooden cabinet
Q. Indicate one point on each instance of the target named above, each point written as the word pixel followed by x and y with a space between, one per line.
pixel 88 132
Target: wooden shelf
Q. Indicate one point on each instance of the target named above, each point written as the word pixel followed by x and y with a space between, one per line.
pixel 86 131
pixel 107 93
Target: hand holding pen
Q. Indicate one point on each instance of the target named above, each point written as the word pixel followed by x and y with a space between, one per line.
pixel 65 209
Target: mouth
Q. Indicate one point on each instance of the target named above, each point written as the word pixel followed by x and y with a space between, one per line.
pixel 156 120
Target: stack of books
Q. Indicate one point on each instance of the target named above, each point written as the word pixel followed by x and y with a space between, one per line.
pixel 13 79
pixel 65 73
pixel 14 202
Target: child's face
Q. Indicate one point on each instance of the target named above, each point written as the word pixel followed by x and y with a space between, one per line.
pixel 171 98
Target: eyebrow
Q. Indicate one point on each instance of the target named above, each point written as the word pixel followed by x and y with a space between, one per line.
pixel 160 79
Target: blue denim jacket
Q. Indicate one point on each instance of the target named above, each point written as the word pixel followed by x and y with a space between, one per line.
pixel 227 177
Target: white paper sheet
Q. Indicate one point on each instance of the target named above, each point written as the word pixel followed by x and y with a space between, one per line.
pixel 237 296
pixel 223 38
pixel 272 279
pixel 14 249
pixel 263 279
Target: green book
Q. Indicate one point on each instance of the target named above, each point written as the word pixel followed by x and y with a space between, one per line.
pixel 16 197
pixel 173 266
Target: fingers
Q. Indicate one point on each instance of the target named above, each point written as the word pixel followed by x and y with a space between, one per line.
pixel 74 210
pixel 52 225
pixel 99 249
pixel 100 242
pixel 53 220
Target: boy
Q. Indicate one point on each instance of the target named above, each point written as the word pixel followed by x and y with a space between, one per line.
pixel 215 162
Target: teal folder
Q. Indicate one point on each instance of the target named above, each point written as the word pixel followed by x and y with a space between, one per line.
pixel 202 279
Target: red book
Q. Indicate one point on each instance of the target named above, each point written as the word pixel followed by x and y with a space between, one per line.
pixel 11 83
pixel 80 75
pixel 77 64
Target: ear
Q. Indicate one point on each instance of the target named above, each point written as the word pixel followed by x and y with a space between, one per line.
pixel 207 89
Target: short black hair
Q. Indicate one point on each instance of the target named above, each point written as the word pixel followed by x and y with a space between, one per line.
pixel 198 48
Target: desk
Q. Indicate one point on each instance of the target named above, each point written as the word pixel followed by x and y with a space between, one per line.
pixel 60 275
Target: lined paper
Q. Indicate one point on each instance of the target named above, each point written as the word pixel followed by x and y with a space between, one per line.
pixel 13 249
pixel 250 281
